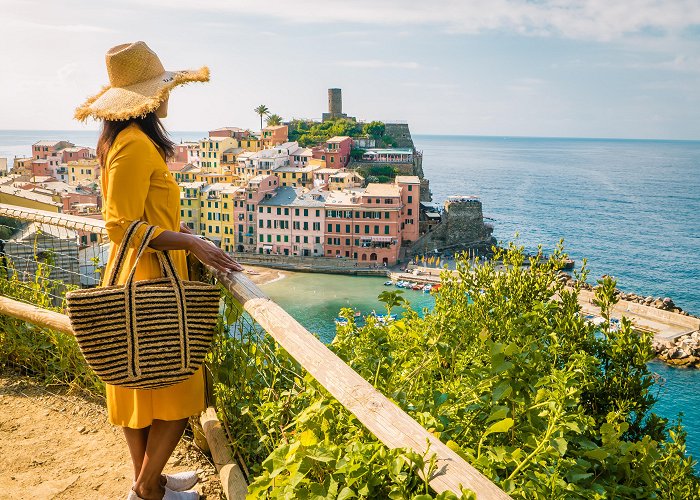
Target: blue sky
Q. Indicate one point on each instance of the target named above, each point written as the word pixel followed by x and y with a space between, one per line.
pixel 589 68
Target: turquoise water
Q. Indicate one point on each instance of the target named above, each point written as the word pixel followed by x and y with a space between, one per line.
pixel 632 208
pixel 315 299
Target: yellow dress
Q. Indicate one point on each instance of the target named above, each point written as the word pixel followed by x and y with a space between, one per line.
pixel 136 184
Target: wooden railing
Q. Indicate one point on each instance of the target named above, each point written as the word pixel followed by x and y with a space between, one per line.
pixel 383 418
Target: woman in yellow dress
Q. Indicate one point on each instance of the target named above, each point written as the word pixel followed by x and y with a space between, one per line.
pixel 136 184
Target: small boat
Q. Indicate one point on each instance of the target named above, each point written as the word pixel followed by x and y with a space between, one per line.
pixel 388 283
pixel 427 288
pixel 341 321
pixel 358 314
pixel 436 287
pixel 416 286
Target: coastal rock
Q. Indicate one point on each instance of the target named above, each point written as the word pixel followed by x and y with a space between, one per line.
pixel 678 354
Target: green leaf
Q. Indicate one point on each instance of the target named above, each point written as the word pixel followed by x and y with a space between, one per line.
pixel 560 444
pixel 598 454
pixel 500 426
pixel 502 390
pixel 308 438
pixel 497 413
pixel 346 493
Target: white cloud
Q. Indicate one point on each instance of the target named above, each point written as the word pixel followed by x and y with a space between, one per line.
pixel 377 63
pixel 580 19
pixel 67 28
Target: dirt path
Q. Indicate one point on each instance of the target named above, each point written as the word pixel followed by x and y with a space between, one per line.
pixel 55 445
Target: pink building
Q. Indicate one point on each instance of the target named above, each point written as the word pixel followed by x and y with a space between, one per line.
pixel 186 152
pixel 243 228
pixel 364 224
pixel 235 132
pixel 43 149
pixel 410 206
pixel 74 153
pixel 336 151
pixel 290 222
pixel 41 167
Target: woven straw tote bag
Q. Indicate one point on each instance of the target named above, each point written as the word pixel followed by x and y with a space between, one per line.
pixel 144 334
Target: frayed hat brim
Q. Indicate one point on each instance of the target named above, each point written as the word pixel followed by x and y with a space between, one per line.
pixel 123 103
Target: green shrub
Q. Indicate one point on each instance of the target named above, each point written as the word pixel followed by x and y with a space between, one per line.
pixel 504 370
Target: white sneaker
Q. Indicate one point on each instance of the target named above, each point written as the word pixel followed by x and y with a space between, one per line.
pixel 182 480
pixel 169 495
pixel 180 495
pixel 133 496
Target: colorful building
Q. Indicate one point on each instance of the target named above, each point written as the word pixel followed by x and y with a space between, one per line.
pixel 410 207
pixel 294 176
pixel 234 132
pixel 345 180
pixel 211 152
pixel 82 171
pixel 274 135
pixel 335 152
pixel 30 198
pixel 187 152
pixel 43 150
pixel 190 194
pixel 364 224
pixel 290 222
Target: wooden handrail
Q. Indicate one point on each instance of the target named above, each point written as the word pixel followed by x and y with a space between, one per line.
pixel 383 418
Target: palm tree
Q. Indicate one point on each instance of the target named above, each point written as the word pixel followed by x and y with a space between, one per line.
pixel 262 111
pixel 274 120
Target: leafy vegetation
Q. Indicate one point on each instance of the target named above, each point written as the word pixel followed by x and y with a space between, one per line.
pixel 309 133
pixel 504 370
pixel 378 173
pixel 47 355
pixel 7 227
pixel 273 119
pixel 261 110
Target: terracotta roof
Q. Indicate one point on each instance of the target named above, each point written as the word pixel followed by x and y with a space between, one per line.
pixel 375 189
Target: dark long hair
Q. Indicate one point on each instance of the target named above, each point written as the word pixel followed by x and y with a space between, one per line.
pixel 149 124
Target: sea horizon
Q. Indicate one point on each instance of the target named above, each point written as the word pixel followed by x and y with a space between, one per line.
pixel 416 134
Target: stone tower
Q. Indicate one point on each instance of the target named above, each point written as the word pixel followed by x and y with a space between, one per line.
pixel 335 105
pixel 335 102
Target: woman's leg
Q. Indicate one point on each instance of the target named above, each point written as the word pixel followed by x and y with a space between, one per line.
pixel 162 440
pixel 137 439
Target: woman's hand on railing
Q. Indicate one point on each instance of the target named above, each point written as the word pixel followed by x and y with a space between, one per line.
pixel 213 256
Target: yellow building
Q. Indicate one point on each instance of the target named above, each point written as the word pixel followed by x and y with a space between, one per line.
pixel 82 170
pixel 187 174
pixel 344 180
pixel 211 152
pixel 11 195
pixel 296 176
pixel 211 210
pixel 216 151
pixel 225 177
pixel 190 204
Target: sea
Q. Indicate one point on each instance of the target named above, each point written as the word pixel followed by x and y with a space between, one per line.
pixel 630 208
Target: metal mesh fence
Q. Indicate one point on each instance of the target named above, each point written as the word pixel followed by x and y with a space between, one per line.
pixel 40 262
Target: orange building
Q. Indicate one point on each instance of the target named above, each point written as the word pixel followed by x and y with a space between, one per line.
pixel 274 135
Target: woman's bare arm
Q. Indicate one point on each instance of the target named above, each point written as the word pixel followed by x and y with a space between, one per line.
pixel 204 251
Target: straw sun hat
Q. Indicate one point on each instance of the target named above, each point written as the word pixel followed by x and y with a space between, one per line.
pixel 138 84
